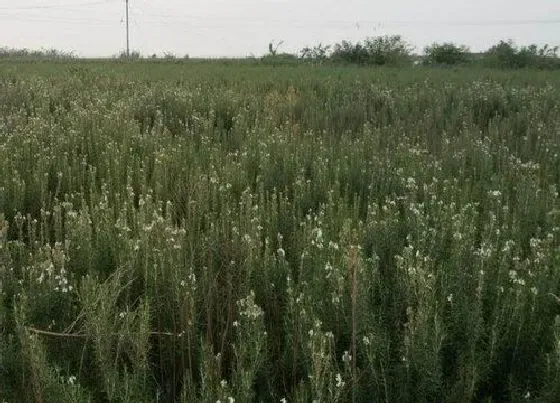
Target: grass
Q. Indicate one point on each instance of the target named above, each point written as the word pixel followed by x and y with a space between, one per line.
pixel 212 232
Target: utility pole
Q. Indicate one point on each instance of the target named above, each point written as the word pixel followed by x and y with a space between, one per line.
pixel 127 33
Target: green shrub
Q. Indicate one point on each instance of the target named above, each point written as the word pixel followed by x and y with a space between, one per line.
pixel 507 55
pixel 381 50
pixel 446 54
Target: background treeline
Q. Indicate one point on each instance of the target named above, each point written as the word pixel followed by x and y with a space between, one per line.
pixel 46 54
pixel 395 51
pixel 373 51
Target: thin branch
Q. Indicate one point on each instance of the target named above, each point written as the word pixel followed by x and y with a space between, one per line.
pixel 54 334
pixel 83 336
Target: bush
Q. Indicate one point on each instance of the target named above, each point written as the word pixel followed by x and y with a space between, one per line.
pixel 134 55
pixel 391 50
pixel 350 53
pixel 446 53
pixel 508 55
pixel 47 54
pixel 318 53
pixel 381 50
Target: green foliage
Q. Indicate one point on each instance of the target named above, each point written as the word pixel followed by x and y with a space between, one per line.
pixel 43 54
pixel 381 50
pixel 318 53
pixel 236 232
pixel 446 54
pixel 507 55
pixel 274 58
pixel 134 55
pixel 280 59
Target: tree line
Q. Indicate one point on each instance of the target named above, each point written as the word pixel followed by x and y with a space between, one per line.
pixel 388 50
pixel 393 50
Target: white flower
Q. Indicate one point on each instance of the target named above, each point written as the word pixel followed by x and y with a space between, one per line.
pixel 249 308
pixel 72 380
pixel 346 357
pixel 317 234
pixel 450 298
pixel 333 245
pixel 339 382
pixel 410 183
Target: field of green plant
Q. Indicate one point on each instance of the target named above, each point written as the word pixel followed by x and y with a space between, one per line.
pixel 204 232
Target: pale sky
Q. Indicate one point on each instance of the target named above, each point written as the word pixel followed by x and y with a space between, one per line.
pixel 95 28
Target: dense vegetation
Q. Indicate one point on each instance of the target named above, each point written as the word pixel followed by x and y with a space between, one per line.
pixel 395 51
pixel 373 51
pixel 203 232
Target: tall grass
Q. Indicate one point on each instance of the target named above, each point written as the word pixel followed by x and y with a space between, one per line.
pixel 210 233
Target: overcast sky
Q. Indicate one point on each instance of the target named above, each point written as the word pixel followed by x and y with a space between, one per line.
pixel 244 27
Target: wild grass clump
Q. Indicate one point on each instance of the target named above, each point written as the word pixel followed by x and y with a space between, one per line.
pixel 203 233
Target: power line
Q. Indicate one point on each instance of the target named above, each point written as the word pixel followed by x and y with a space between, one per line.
pixel 287 23
pixel 195 21
pixel 156 17
pixel 193 18
pixel 59 6
pixel 89 21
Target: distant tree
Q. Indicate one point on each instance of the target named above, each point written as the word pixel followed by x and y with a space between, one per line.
pixel 274 58
pixel 273 48
pixel 169 56
pixel 350 53
pixel 503 54
pixel 446 53
pixel 547 51
pixel 391 50
pixel 134 55
pixel 48 54
pixel 381 50
pixel 318 53
pixel 507 55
